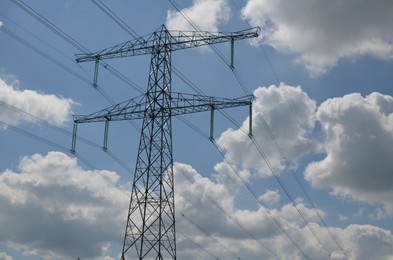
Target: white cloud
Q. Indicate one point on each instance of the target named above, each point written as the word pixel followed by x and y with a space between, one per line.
pixel 368 242
pixel 52 208
pixel 358 138
pixel 289 114
pixel 4 256
pixel 51 108
pixel 205 14
pixel 1 24
pixel 271 197
pixel 222 236
pixel 322 32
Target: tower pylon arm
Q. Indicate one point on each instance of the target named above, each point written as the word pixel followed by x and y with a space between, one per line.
pixel 187 104
pixel 134 108
pixel 178 40
pixel 181 104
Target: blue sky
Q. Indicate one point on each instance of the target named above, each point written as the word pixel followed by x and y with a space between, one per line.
pixel 319 169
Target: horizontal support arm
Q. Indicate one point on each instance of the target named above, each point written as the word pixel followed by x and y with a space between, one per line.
pixel 177 40
pixel 187 104
pixel 180 104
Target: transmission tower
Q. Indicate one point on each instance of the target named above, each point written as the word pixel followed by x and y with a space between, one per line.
pixel 150 229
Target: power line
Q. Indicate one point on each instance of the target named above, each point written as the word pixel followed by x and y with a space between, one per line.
pixel 72 41
pixel 216 204
pixel 255 195
pixel 207 234
pixel 258 148
pixel 242 85
pixel 115 18
pixel 65 132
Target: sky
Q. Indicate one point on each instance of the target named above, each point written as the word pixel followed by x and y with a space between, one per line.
pixel 315 181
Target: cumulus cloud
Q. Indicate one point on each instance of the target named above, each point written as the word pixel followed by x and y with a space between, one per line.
pixel 207 213
pixel 53 208
pixel 271 197
pixel 51 108
pixel 282 114
pixel 320 33
pixel 205 14
pixel 4 256
pixel 358 137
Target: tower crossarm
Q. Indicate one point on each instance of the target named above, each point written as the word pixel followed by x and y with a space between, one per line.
pixel 187 104
pixel 127 110
pixel 180 104
pixel 178 40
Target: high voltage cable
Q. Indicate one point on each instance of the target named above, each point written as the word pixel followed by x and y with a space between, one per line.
pixel 283 186
pixel 55 61
pixel 207 234
pixel 269 131
pixel 255 195
pixel 67 69
pixel 258 148
pixel 278 147
pixel 247 185
pixel 275 74
pixel 133 34
pixel 201 247
pixel 65 132
pixel 115 18
pixel 216 204
pixel 196 28
pixel 59 147
pixel 72 41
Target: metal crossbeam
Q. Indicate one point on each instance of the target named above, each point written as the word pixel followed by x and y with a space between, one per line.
pixel 180 104
pixel 179 40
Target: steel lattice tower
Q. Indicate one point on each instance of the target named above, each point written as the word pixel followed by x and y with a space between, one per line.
pixel 150 227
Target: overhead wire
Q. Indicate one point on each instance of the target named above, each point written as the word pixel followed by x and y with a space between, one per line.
pixel 77 45
pixel 280 150
pixel 73 42
pixel 255 195
pixel 65 132
pixel 253 140
pixel 207 234
pixel 195 27
pixel 201 247
pixel 59 147
pixel 234 220
pixel 242 85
